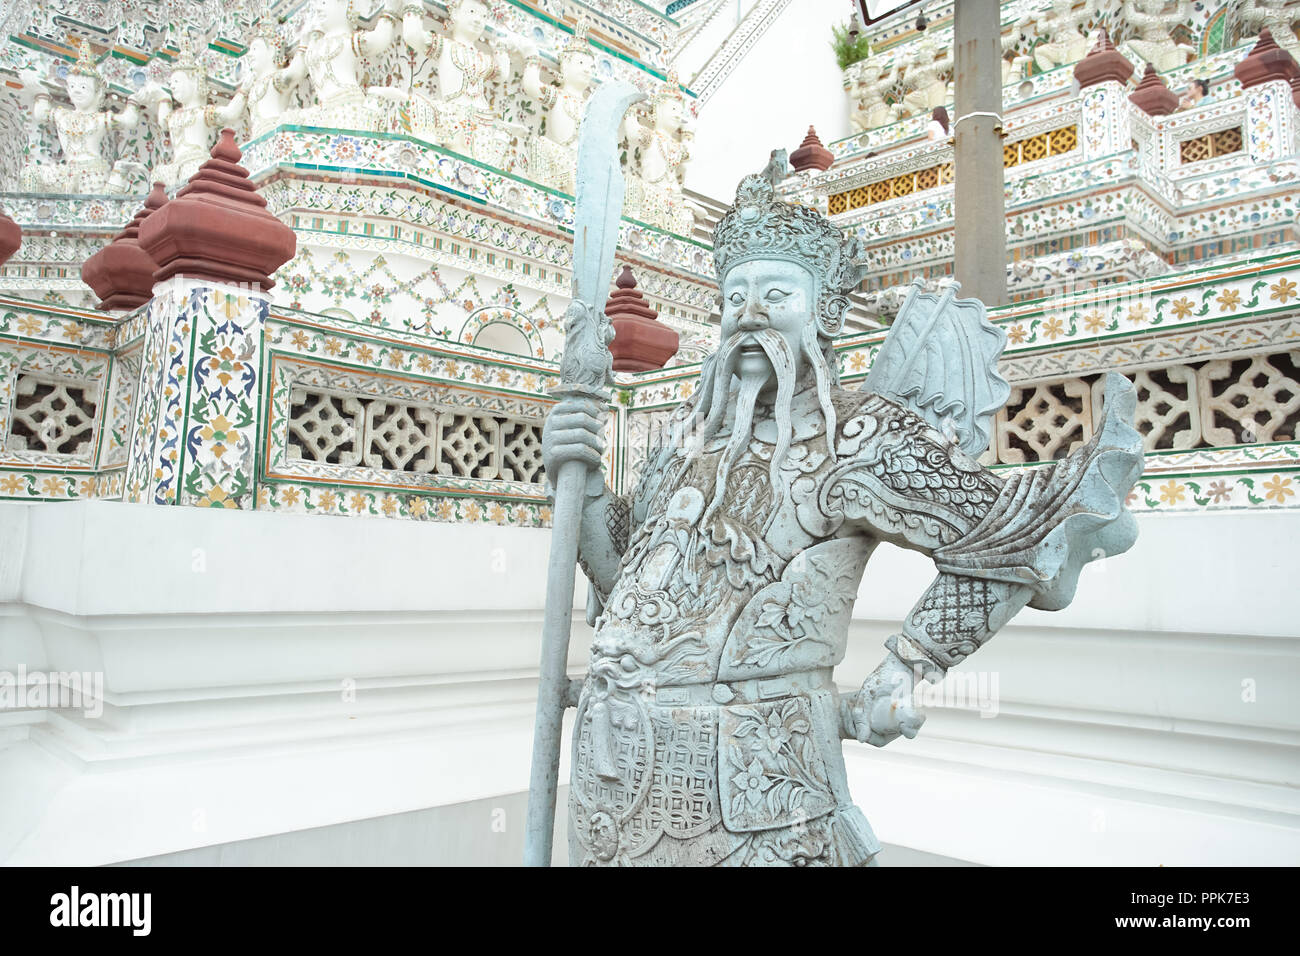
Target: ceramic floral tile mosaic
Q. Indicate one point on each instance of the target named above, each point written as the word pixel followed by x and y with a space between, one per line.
pixel 217 373
pixel 405 159
pixel 199 398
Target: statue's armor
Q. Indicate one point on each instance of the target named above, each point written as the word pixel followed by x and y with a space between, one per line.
pixel 709 713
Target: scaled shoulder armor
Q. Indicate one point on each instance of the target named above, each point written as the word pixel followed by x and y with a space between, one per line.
pixel 900 476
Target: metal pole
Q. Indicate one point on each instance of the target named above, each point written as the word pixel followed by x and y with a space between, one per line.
pixel 980 243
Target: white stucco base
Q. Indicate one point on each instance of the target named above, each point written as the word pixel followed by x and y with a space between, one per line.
pixel 313 688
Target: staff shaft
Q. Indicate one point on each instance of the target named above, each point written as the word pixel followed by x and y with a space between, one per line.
pixel 553 682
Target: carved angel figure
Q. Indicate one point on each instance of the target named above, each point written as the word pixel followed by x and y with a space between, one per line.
pixel 1062 28
pixel 334 51
pixel 267 88
pixel 463 115
pixel 1279 17
pixel 82 131
pixel 709 727
pixel 927 78
pixel 662 148
pixel 553 157
pixel 1155 22
pixel 192 122
pixel 867 82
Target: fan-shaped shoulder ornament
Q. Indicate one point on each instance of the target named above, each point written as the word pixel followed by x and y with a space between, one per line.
pixel 940 359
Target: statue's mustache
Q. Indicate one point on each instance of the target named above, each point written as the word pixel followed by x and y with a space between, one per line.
pixel 769 340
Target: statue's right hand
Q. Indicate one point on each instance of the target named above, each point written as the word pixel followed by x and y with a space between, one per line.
pixel 574 431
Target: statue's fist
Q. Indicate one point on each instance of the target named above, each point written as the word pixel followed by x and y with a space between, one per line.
pixel 574 431
pixel 883 709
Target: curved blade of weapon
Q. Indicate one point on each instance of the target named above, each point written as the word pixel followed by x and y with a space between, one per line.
pixel 585 370
pixel 599 196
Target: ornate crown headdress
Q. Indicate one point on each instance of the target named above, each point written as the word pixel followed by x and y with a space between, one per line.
pixel 266 29
pixel 760 226
pixel 494 8
pixel 578 42
pixel 85 65
pixel 187 62
pixel 669 90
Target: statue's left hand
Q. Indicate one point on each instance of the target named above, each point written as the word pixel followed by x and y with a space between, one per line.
pixel 883 709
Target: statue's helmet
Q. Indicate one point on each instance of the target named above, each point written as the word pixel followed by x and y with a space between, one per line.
pixel 761 226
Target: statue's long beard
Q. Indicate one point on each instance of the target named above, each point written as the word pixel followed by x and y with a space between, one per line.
pixel 717 390
pixel 783 364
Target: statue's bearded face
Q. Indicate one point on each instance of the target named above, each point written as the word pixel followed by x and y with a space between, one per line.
pixel 766 294
pixel 769 341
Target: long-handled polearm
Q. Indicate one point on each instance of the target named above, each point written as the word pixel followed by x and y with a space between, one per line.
pixel 585 371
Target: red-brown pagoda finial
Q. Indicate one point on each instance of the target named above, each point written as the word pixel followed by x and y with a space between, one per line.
pixel 121 274
pixel 11 237
pixel 1266 61
pixel 1102 63
pixel 218 226
pixel 1152 96
pixel 641 342
pixel 811 154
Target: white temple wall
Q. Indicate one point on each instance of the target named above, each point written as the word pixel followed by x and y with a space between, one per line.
pixel 392 288
pixel 790 72
pixel 270 675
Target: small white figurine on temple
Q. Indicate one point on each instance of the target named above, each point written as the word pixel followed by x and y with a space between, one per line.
pixel 553 156
pixel 1013 62
pixel 1279 17
pixel 267 88
pixel 869 80
pixel 192 125
pixel 81 131
pixel 924 78
pixel 654 192
pixel 334 50
pixel 1066 33
pixel 463 116
pixel 1155 22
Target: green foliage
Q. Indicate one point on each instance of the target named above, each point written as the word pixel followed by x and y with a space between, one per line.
pixel 848 50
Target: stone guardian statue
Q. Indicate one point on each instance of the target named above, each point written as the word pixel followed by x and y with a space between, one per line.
pixel 709 727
